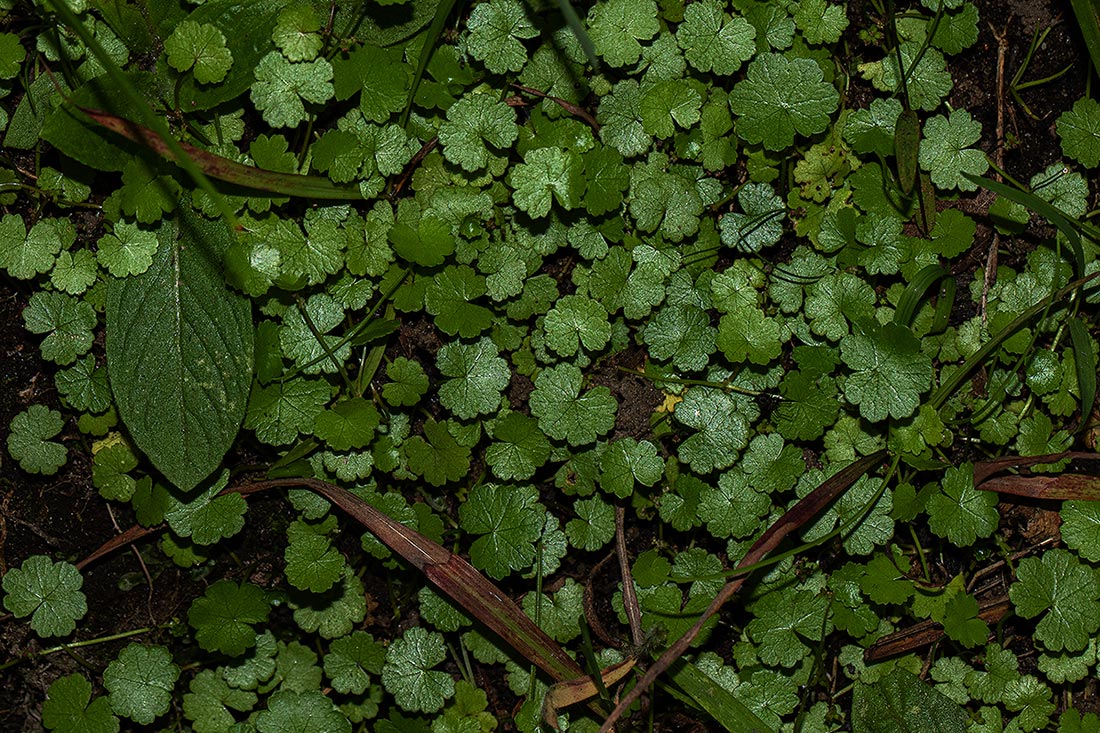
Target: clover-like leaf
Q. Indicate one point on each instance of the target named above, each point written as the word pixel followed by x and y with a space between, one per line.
pixel 889 371
pixel 510 520
pixel 519 448
pixel 141 681
pixel 407 384
pixel 682 334
pixel 282 87
pixel 312 563
pixel 959 511
pixel 576 321
pixel 477 377
pixel 199 47
pixel 224 618
pixel 210 698
pixel 448 297
pixel 1066 590
pixel 782 97
pixel 128 250
pixel 722 429
pixel 760 222
pixel 69 708
pixel 24 254
pixel 820 21
pixel 351 660
pixel 497 29
pixel 408 674
pixel 296 32
pixel 473 122
pixel 1079 132
pixel 29 440
pixel 292 710
pixel 208 516
pixel 617 26
pixel 49 592
pixel 564 413
pixel 67 321
pixel 712 41
pixel 281 410
pixel 669 104
pixel 945 150
pixel 546 175
pixel 348 425
pixel 626 461
pixel 437 456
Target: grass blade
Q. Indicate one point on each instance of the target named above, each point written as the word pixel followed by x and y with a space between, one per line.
pixel 224 169
pixel 1043 209
pixel 722 705
pixel 150 119
pixel 451 574
pixel 1085 361
pixel 795 517
pixel 575 24
pixel 431 37
pixel 1088 20
pixel 960 375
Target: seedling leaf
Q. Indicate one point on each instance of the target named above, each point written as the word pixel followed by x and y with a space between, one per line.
pixel 48 592
pixel 69 708
pixel 141 681
pixel 29 440
pixel 225 615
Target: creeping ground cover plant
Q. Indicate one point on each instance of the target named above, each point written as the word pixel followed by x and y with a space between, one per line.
pixel 417 365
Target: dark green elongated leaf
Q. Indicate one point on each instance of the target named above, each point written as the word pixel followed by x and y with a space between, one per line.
pixel 180 348
pixel 944 305
pixel 902 703
pixel 1085 362
pixel 70 132
pixel 1088 20
pixel 906 147
pixel 730 712
pixel 915 292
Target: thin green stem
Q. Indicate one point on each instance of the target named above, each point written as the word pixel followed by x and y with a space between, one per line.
pixel 724 386
pixel 68 648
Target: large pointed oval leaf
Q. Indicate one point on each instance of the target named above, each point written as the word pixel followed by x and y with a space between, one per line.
pixel 179 352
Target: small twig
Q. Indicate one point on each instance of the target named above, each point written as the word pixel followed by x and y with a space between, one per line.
pixel 567 106
pixel 998 158
pixel 141 562
pixel 630 597
pixel 414 164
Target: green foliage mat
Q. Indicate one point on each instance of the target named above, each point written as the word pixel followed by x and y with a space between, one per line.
pixel 542 283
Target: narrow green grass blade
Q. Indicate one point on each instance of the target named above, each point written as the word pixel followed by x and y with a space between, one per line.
pixel 960 375
pixel 1085 361
pixel 1043 209
pixel 431 38
pixel 575 24
pixel 150 120
pixel 726 709
pixel 1088 20
pixel 914 294
pixel 224 169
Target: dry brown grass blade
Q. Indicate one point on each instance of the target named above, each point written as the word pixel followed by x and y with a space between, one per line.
pixel 796 517
pixel 224 169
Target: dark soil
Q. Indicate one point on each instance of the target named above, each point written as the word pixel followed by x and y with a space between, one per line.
pixel 64 517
